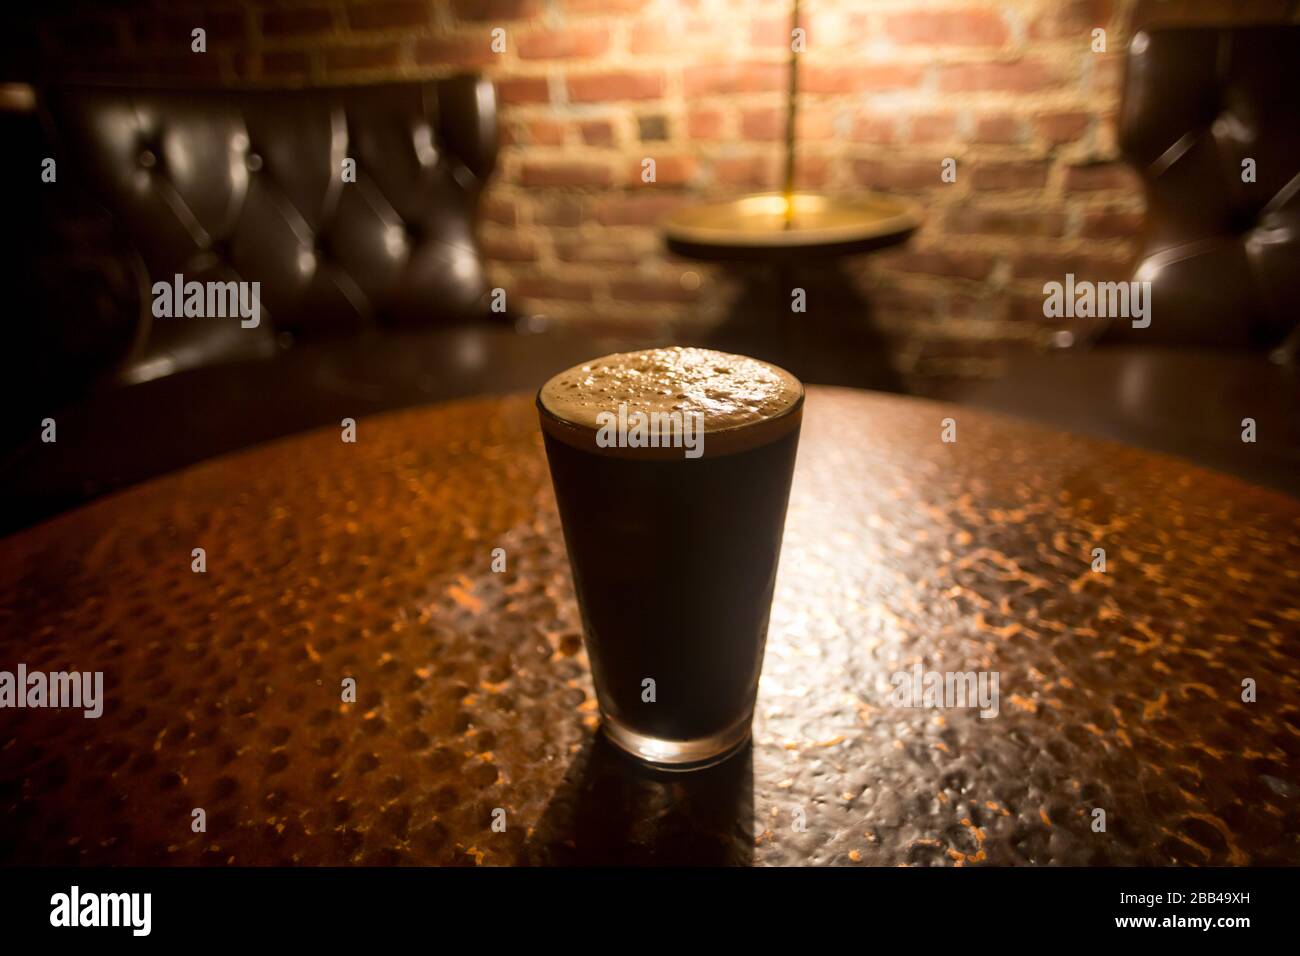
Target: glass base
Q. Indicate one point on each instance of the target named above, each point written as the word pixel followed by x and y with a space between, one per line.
pixel 678 755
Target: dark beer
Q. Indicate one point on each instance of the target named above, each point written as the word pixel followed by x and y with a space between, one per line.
pixel 674 556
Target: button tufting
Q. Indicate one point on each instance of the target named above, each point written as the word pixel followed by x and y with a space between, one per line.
pixel 396 238
pixel 422 139
pixel 194 168
pixel 1228 126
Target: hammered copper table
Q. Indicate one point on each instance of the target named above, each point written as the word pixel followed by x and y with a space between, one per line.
pixel 1120 691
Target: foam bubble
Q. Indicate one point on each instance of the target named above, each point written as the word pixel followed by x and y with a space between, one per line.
pixel 731 391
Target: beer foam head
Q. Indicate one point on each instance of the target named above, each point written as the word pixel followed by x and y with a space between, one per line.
pixel 730 392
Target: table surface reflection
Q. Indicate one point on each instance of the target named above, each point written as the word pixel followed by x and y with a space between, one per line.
pixel 1119 691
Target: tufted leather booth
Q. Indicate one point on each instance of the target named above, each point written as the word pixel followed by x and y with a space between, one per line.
pixel 1222 253
pixel 249 185
pixel 373 291
pixel 1222 256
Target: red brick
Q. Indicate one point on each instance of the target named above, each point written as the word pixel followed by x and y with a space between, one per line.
pixel 643 210
pixel 303 21
pixel 1111 224
pixel 373 57
pixel 1100 176
pixel 859 79
pixel 540 132
pixel 811 172
pixel 1065 19
pixel 733 78
pixel 651 36
pixel 752 171
pixel 1054 265
pixel 970 220
pixel 538 173
pixel 1107 74
pixel 1001 128
pixel 508 247
pixel 704 124
pixel 604 87
pixel 548 287
pixel 562 212
pixel 937 128
pixel 962 265
pixel 963 305
pixel 599 252
pixel 764 124
pixel 563 44
pixel 949 27
pixel 1062 127
pixel 1025 76
pixel 597 132
pixel 387 14
pixel 898 174
pixel 768 124
pixel 466 50
pixel 501 210
pixel 812 125
pixel 1015 175
pixel 874 129
pixel 1021 307
pixel 651 290
pixel 523 89
pixel 669 170
pixel 496 10
pixel 775 32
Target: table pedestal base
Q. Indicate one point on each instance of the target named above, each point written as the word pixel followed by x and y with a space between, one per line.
pixel 832 342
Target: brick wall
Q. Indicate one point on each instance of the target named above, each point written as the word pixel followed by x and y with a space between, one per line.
pixel 589 88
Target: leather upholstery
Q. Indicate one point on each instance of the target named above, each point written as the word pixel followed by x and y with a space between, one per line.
pixel 1223 255
pixel 377 284
pixel 247 184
